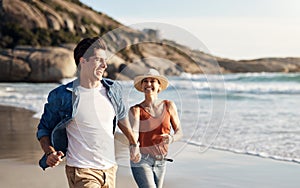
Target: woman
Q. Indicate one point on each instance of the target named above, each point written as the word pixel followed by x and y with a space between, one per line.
pixel 151 121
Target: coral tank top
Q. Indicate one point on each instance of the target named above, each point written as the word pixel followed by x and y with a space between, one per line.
pixel 151 129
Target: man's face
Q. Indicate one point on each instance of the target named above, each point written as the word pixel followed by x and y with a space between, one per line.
pixel 95 66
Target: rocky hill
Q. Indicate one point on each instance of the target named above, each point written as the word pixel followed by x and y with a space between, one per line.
pixel 38 37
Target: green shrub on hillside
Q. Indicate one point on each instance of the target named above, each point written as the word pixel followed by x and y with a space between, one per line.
pixel 13 35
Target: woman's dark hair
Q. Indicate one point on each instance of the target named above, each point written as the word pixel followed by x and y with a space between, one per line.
pixel 85 48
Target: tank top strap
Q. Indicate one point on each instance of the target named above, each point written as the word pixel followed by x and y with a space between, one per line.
pixel 141 109
pixel 167 103
pixel 137 105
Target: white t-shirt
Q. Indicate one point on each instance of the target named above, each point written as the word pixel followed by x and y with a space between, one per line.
pixel 90 136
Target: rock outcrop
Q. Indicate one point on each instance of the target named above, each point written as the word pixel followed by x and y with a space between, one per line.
pixel 285 65
pixel 45 64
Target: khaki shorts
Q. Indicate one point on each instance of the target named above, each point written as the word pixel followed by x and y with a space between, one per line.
pixel 91 178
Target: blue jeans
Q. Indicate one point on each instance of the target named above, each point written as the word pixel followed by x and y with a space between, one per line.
pixel 149 173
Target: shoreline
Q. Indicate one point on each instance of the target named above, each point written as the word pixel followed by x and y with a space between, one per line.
pixel 290 160
pixel 212 168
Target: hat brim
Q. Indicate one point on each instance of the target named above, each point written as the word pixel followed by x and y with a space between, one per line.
pixel 164 83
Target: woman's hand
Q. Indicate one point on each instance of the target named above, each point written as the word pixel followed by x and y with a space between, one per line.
pixel 167 139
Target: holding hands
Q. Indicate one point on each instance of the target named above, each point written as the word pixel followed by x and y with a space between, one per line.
pixel 135 155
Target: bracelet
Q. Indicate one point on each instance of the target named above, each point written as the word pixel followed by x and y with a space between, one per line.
pixel 49 153
pixel 134 145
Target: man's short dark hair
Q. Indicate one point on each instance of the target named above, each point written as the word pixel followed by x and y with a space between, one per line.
pixel 85 48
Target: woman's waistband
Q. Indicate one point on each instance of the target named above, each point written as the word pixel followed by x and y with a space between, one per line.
pixel 157 157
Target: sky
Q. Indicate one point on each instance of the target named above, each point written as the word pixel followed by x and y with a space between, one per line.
pixel 234 29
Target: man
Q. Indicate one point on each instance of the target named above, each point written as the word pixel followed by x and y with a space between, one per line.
pixel 79 120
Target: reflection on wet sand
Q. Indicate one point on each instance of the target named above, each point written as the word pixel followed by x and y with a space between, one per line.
pixel 17 135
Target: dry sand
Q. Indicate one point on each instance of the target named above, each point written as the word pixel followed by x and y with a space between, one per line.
pixel 19 153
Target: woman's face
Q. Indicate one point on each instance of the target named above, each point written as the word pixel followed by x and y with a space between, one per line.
pixel 150 85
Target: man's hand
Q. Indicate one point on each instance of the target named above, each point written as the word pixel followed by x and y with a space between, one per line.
pixel 54 158
pixel 135 155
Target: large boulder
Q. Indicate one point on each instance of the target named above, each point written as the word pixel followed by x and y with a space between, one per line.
pixel 13 69
pixel 45 64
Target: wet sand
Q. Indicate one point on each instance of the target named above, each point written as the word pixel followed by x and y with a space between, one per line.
pixel 20 152
pixel 17 135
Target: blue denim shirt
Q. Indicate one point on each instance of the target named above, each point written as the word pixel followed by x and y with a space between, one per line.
pixel 61 107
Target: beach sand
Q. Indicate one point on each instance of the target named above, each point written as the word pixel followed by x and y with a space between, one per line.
pixel 19 154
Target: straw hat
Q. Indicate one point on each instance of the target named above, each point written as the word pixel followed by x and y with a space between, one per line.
pixel 152 73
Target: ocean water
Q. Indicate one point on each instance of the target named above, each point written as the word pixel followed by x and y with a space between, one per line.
pixel 252 113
